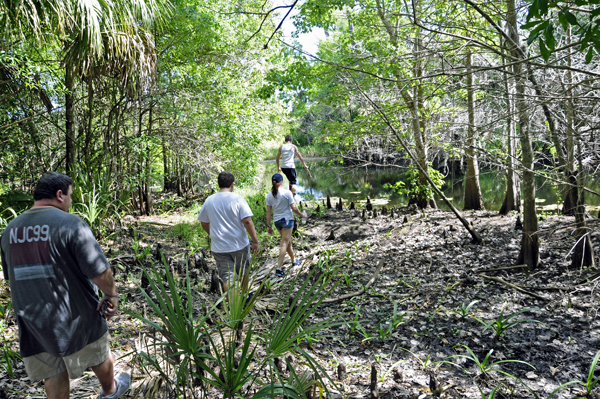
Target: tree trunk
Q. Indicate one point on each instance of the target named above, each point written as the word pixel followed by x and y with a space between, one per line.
pixel 419 129
pixel 570 190
pixel 414 103
pixel 88 132
pixel 473 199
pixel 69 121
pixel 141 201
pixel 512 199
pixel 166 180
pixel 469 226
pixel 583 253
pixel 191 182
pixel 178 178
pixel 529 253
pixel 149 208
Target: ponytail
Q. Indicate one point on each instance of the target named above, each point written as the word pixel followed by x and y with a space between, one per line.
pixel 274 190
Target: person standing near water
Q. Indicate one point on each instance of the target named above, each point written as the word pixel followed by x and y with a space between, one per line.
pixel 281 204
pixel 288 166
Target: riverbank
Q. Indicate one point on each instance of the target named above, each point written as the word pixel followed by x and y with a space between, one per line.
pixel 411 291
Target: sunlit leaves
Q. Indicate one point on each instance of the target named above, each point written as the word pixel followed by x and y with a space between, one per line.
pixel 544 18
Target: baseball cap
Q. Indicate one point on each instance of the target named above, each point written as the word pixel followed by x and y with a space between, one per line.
pixel 277 178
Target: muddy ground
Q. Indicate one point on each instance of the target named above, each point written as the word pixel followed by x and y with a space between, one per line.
pixel 428 270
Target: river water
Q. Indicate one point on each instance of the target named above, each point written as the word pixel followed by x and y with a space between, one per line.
pixel 355 184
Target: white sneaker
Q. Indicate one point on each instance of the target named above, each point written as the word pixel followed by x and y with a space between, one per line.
pixel 123 382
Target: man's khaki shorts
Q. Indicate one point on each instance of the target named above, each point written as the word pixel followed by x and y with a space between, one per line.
pixel 232 265
pixel 44 365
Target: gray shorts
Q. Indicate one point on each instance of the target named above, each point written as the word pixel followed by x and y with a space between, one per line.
pixel 44 365
pixel 230 265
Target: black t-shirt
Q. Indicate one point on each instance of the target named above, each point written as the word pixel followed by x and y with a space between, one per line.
pixel 49 257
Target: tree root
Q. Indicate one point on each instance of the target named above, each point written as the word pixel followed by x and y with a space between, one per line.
pixel 499 280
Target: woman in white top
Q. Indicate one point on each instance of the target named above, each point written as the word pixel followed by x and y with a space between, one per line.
pixel 280 203
pixel 288 166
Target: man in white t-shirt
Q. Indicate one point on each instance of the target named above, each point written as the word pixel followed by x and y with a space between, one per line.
pixel 226 217
pixel 288 166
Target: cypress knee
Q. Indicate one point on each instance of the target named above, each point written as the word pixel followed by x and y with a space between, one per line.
pixel 374 393
pixel 341 372
pixel 215 282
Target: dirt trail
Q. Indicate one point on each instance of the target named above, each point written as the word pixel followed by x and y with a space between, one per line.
pixel 411 317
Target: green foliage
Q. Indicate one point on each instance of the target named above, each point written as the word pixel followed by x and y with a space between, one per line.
pixel 202 118
pixel 183 332
pixel 492 394
pixel 5 306
pixel 211 354
pixel 384 328
pixel 486 367
pixel 545 19
pixel 384 331
pixel 355 323
pixel 306 150
pixel 412 186
pixel 503 323
pixel 232 374
pixel 95 200
pixel 397 318
pixel 257 201
pixel 141 252
pixel 275 390
pixel 367 336
pixel 285 334
pixel 14 202
pixel 192 233
pixel 5 220
pixel 588 384
pixel 8 355
pixel 424 362
pixel 327 264
pixel 464 309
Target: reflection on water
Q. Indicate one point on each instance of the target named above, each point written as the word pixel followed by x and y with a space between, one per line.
pixel 355 184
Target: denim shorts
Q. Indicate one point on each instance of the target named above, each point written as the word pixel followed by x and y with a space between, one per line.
pixel 284 224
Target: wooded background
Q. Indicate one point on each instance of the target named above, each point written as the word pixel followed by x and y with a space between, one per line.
pixel 151 95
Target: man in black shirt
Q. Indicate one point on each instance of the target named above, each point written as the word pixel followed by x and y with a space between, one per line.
pixel 55 267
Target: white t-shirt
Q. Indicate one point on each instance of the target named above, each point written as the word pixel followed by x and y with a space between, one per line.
pixel 281 205
pixel 287 156
pixel 225 211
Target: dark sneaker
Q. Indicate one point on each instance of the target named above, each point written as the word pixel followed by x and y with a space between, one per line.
pixel 279 273
pixel 123 382
pixel 297 263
